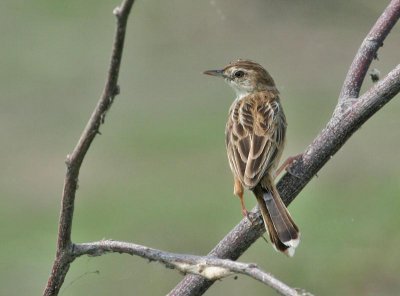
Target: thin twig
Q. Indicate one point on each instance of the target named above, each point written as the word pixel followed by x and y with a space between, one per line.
pixel 74 160
pixel 341 126
pixel 208 267
pixel 366 53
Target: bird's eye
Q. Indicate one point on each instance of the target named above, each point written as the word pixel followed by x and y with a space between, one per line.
pixel 238 74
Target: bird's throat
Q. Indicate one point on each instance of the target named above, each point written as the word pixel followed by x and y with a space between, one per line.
pixel 241 93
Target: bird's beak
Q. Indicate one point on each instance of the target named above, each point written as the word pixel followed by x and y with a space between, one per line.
pixel 217 73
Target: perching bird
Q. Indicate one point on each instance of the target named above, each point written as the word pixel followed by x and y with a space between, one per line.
pixel 255 138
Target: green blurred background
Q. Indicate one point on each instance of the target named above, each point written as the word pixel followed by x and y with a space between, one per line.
pixel 158 175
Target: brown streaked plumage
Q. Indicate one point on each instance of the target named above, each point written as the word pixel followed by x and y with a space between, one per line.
pixel 255 138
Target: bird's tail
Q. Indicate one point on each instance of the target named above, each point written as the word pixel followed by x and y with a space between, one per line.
pixel 283 232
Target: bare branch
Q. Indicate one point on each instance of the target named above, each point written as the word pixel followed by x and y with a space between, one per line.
pixel 75 159
pixel 366 53
pixel 208 267
pixel 346 119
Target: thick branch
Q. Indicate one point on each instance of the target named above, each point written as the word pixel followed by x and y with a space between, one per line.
pixel 75 159
pixel 337 132
pixel 209 267
pixel 368 51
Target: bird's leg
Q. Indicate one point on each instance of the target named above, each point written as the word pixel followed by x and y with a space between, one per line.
pixel 285 165
pixel 238 191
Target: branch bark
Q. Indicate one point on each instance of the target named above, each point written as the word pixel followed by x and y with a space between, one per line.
pixel 74 160
pixel 208 267
pixel 346 119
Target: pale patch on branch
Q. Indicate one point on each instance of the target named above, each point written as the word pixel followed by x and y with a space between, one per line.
pixel 209 272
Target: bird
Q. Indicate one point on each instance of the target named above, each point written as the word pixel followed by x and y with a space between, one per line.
pixel 255 136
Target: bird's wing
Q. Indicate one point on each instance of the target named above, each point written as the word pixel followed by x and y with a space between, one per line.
pixel 255 135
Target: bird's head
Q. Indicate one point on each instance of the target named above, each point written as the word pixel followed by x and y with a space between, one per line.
pixel 245 77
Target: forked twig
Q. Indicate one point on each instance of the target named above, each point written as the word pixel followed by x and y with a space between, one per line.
pixel 74 160
pixel 208 267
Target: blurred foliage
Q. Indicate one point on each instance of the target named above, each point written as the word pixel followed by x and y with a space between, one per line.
pixel 158 175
